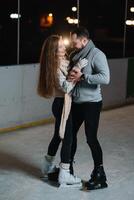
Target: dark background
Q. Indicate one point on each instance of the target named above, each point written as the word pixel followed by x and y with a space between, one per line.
pixel 103 18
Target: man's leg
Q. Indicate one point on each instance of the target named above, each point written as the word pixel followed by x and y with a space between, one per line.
pixel 65 152
pixel 92 115
pixel 65 178
pixel 67 141
pixel 77 120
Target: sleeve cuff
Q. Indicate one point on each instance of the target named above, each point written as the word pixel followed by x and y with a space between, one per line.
pixel 82 77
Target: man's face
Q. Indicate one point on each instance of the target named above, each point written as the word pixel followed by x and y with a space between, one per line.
pixel 77 42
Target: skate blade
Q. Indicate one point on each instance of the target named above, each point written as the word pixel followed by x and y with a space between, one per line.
pixel 44 178
pixel 64 185
pixel 86 189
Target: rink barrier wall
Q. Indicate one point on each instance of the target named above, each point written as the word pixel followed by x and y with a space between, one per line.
pixel 22 107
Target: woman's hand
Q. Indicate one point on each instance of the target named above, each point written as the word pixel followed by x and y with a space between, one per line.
pixel 74 75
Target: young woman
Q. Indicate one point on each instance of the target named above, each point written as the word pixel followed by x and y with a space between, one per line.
pixel 53 83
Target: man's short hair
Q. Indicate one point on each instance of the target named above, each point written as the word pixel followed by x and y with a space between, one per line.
pixel 81 32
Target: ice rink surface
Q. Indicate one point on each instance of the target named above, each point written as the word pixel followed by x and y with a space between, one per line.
pixel 21 153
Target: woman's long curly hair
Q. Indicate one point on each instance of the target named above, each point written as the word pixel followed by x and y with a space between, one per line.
pixel 48 67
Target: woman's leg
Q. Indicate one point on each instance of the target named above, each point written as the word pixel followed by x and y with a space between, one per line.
pixel 47 165
pixel 57 111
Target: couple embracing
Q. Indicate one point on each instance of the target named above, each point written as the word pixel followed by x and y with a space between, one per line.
pixel 75 83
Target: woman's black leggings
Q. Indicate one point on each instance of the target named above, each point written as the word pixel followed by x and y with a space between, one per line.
pixel 55 141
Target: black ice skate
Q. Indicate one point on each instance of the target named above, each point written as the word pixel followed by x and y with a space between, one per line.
pixel 54 175
pixel 97 181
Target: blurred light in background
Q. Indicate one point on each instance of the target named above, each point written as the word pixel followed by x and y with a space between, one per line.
pixel 74 9
pixel 66 41
pixel 75 21
pixel 72 20
pixel 132 9
pixel 15 16
pixel 130 22
pixel 46 20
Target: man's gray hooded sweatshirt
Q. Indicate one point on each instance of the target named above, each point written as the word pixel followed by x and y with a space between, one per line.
pixel 94 74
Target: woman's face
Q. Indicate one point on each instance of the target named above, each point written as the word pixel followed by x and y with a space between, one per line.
pixel 61 48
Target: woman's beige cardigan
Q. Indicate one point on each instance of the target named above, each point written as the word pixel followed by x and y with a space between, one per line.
pixel 66 87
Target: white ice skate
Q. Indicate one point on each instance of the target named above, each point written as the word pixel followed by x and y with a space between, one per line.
pixel 66 179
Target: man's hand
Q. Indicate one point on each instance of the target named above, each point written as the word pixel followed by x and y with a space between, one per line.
pixel 82 63
pixel 74 75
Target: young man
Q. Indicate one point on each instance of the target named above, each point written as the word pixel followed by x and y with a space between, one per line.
pixel 87 99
